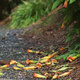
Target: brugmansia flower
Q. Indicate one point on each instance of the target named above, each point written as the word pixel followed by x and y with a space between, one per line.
pixel 65 74
pixel 61 49
pixel 50 56
pixel 65 4
pixel 62 26
pixel 16 68
pixel 20 65
pixel 72 58
pixel 48 63
pixel 39 65
pixel 54 61
pixel 55 76
pixel 44 60
pixel 38 75
pixel 4 66
pixel 30 51
pixel 29 68
pixel 30 61
pixel 13 62
pixel 47 75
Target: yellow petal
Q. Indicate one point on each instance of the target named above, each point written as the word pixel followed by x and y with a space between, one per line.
pixel 65 74
pixel 4 66
pixel 20 65
pixel 29 68
pixel 13 62
pixel 38 75
pixel 16 68
pixel 44 60
pixel 54 77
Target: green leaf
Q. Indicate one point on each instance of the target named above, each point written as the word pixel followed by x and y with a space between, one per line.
pixel 71 1
pixel 55 4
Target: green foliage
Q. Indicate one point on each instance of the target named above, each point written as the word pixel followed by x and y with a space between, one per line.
pixel 29 12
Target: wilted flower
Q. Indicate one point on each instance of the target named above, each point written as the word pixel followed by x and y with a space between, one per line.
pixel 29 68
pixel 55 76
pixel 13 62
pixel 54 61
pixel 44 60
pixel 16 68
pixel 72 58
pixel 65 74
pixel 61 49
pixel 65 4
pixel 48 63
pixel 39 65
pixel 30 61
pixel 38 75
pixel 30 51
pixel 20 65
pixel 4 66
pixel 47 75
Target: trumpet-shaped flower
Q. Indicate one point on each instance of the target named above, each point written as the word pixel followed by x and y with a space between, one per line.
pixel 30 61
pixel 65 74
pixel 39 65
pixel 54 61
pixel 63 27
pixel 55 76
pixel 20 65
pixel 61 49
pixel 47 75
pixel 30 51
pixel 48 63
pixel 4 66
pixel 65 4
pixel 16 68
pixel 44 60
pixel 72 58
pixel 13 62
pixel 29 68
pixel 50 56
pixel 38 75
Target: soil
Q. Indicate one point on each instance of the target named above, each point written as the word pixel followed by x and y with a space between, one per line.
pixel 14 44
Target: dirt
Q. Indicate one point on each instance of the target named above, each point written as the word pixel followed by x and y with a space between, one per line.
pixel 14 44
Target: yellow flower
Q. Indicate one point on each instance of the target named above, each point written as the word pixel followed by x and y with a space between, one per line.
pixel 30 51
pixel 65 74
pixel 16 68
pixel 20 65
pixel 30 61
pixel 65 4
pixel 4 66
pixel 29 68
pixel 13 62
pixel 48 63
pixel 62 27
pixel 72 58
pixel 55 76
pixel 44 60
pixel 39 65
pixel 38 75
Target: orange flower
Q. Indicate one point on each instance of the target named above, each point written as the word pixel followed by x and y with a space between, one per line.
pixel 44 60
pixel 65 4
pixel 38 75
pixel 30 61
pixel 55 76
pixel 65 74
pixel 4 66
pixel 72 58
pixel 61 49
pixel 30 51
pixel 39 65
pixel 63 27
pixel 54 61
pixel 13 62
pixel 29 68
pixel 16 68
pixel 48 63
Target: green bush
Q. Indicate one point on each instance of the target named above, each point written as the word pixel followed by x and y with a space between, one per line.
pixel 29 12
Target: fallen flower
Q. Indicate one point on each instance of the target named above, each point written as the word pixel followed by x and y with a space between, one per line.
pixel 47 75
pixel 48 63
pixel 30 61
pixel 30 51
pixel 39 65
pixel 72 58
pixel 29 68
pixel 38 75
pixel 62 26
pixel 54 61
pixel 50 56
pixel 16 68
pixel 44 60
pixel 20 65
pixel 61 49
pixel 4 66
pixel 65 4
pixel 13 62
pixel 55 76
pixel 65 74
